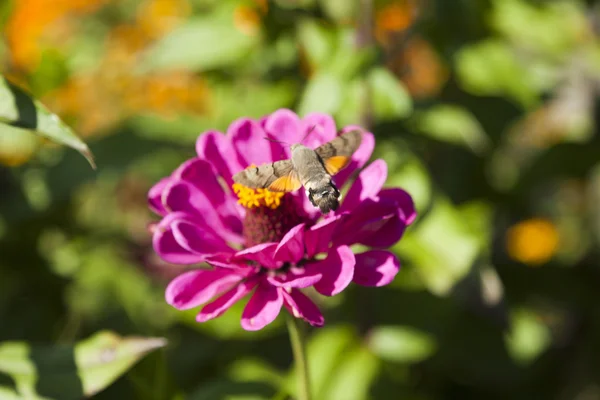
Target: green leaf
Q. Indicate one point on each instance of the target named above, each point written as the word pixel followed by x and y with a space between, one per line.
pixel 409 173
pixel 104 280
pixel 389 97
pixel 340 367
pixel 593 197
pixel 202 43
pixel 227 326
pixel 453 124
pixel 7 393
pixel 348 61
pixel 229 102
pixel 50 73
pixel 401 344
pixel 444 245
pixel 18 109
pixel 322 93
pixel 228 390
pixel 333 50
pixel 6 8
pixel 342 11
pixel 255 370
pixel 528 337
pixel 491 67
pixel 325 351
pixel 349 112
pixel 17 145
pixel 182 128
pixel 317 43
pixel 70 372
pixel 554 27
pixel 295 4
pixel 250 99
pixel 353 377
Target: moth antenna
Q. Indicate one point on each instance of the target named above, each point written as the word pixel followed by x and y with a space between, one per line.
pixel 276 141
pixel 282 155
pixel 312 128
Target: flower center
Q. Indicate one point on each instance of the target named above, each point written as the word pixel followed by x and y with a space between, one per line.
pixel 253 198
pixel 269 215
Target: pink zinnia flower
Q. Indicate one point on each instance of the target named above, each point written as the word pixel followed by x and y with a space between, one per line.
pixel 272 244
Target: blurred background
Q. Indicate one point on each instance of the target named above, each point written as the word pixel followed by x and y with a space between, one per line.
pixel 485 110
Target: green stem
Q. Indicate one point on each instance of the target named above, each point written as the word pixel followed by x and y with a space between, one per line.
pixel 297 341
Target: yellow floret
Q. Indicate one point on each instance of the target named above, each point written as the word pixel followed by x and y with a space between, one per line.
pixel 251 198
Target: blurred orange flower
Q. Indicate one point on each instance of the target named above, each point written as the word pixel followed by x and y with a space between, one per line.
pixel 263 5
pixel 169 93
pixel 246 19
pixel 393 18
pixel 86 103
pixel 98 98
pixel 28 21
pixel 97 101
pixel 413 60
pixel 157 17
pixel 533 241
pixel 420 68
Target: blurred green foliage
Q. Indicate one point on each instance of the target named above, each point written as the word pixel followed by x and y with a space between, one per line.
pixel 485 110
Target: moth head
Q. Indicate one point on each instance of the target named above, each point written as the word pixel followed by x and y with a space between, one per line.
pixel 326 198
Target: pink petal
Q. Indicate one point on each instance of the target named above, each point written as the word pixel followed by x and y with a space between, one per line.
pixel 378 222
pixel 374 222
pixel 337 270
pixel 262 121
pixel 222 304
pixel 375 268
pixel 200 173
pixel 248 139
pixel 322 129
pixel 263 254
pixel 196 287
pixel 387 234
pixel 183 196
pixel 311 212
pixel 285 126
pixel 404 202
pixel 168 249
pixel 225 260
pixel 198 239
pixel 300 306
pixel 368 184
pixel 291 247
pixel 359 158
pixel 296 277
pixel 387 231
pixel 155 196
pixel 263 307
pixel 217 149
pixel 317 239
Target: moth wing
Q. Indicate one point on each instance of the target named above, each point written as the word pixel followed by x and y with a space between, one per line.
pixel 336 153
pixel 278 176
pixel 334 164
pixel 287 183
